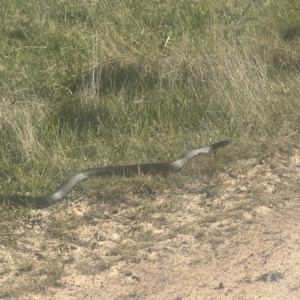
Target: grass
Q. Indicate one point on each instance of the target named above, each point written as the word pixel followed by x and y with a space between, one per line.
pixel 271 276
pixel 86 84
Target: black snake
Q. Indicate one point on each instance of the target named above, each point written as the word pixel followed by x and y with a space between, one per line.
pixel 127 170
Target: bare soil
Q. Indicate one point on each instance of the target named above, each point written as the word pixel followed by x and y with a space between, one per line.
pixel 233 236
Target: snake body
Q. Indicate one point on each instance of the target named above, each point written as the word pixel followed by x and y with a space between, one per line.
pixel 128 170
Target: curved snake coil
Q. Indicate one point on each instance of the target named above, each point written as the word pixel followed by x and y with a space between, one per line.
pixel 127 170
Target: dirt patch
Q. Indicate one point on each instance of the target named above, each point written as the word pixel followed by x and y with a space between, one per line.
pixel 235 236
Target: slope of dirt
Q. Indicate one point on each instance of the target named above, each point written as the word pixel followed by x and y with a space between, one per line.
pixel 240 241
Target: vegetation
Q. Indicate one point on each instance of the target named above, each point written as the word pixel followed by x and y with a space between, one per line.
pixel 95 83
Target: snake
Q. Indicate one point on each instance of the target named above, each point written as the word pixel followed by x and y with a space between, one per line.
pixel 127 170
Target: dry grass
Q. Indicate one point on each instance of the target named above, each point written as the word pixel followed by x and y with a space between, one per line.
pixel 94 84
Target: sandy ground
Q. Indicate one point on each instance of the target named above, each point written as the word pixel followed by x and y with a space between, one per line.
pixel 240 242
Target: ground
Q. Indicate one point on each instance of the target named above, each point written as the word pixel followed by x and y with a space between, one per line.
pixel 232 235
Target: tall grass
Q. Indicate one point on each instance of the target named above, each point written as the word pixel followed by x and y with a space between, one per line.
pixel 87 83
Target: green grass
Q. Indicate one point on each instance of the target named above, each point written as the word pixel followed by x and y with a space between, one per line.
pixel 86 84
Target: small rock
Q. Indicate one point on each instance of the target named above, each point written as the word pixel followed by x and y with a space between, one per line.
pixel 221 286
